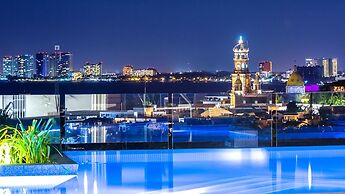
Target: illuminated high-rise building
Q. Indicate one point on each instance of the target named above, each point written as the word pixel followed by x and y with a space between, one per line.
pixel 60 63
pixel 65 64
pixel 330 67
pixel 9 67
pixel 25 66
pixel 240 76
pixel 54 59
pixel 93 70
pixel 42 64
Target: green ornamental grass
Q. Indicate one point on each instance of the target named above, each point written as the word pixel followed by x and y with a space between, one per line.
pixel 25 146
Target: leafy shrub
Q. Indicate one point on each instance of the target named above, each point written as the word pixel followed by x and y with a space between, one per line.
pixel 27 146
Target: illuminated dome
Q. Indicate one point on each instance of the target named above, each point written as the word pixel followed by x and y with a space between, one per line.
pixel 295 79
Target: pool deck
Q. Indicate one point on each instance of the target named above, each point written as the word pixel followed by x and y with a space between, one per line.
pixel 247 170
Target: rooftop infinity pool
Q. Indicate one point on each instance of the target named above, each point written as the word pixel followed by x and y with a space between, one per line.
pixel 249 170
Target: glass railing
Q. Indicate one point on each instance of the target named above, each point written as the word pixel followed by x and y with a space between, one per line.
pixel 310 119
pixel 23 109
pixel 116 118
pixel 182 120
pixel 205 120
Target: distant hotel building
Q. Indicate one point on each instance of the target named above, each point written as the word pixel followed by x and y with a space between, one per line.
pixel 329 65
pixel 93 70
pixel 77 75
pixel 128 70
pixel 145 72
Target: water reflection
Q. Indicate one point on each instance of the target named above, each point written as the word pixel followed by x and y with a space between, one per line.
pixel 309 176
pixel 149 131
pixel 115 133
pixel 102 172
pixel 85 183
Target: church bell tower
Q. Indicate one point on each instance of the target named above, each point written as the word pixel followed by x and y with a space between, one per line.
pixel 240 77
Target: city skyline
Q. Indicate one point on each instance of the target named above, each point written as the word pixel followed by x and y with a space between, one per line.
pixel 175 36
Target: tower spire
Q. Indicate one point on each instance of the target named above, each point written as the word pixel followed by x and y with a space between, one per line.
pixel 240 41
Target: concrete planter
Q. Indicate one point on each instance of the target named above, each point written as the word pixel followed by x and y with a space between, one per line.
pixel 61 169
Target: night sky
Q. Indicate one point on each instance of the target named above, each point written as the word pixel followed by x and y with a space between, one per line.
pixel 175 35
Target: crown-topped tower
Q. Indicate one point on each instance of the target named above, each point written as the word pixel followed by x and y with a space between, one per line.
pixel 240 77
pixel 241 58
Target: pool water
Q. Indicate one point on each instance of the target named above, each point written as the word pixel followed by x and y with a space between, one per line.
pixel 249 170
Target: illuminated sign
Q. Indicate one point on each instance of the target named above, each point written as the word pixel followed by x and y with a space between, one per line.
pixel 312 88
pixel 339 88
